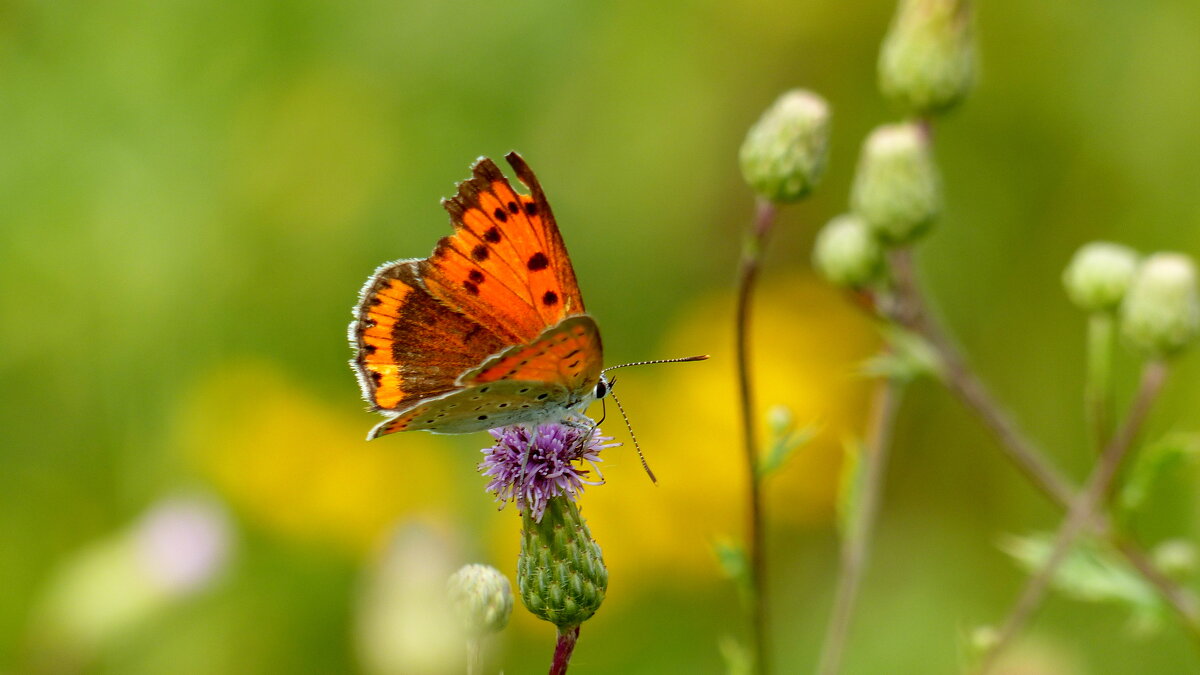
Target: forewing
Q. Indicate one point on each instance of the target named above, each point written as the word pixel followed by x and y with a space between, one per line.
pixel 505 267
pixel 410 346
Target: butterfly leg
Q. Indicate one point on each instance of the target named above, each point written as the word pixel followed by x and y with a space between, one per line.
pixel 530 434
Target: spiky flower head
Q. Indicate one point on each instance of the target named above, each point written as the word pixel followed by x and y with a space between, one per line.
pixel 1161 312
pixel 896 189
pixel 482 599
pixel 552 460
pixel 784 154
pixel 927 63
pixel 847 253
pixel 1099 275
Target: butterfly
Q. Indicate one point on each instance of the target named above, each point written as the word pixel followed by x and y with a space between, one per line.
pixel 488 331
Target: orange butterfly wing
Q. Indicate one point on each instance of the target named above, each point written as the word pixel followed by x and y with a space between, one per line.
pixel 506 266
pixel 409 346
pixel 496 302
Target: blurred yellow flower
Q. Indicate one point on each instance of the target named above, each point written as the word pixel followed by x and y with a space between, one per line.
pixel 808 342
pixel 288 461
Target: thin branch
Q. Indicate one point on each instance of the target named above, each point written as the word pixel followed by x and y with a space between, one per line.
pixel 747 275
pixel 961 380
pixel 856 549
pixel 1082 510
pixel 913 313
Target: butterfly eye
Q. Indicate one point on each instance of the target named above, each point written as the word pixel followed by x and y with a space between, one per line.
pixel 602 388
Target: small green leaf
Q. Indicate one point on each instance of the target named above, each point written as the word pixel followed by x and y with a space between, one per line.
pixel 909 358
pixel 785 440
pixel 735 564
pixel 850 488
pixel 1091 572
pixel 1152 464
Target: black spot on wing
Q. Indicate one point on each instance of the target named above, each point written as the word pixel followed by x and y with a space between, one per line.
pixel 479 253
pixel 538 261
pixel 500 215
pixel 471 287
pixel 492 235
pixel 476 276
pixel 550 298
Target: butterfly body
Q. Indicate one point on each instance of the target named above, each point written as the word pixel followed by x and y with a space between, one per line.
pixel 488 331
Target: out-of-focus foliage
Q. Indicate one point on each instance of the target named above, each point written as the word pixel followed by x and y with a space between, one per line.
pixel 193 192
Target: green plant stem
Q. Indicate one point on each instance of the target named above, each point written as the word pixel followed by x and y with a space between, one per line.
pixel 747 276
pixel 962 381
pixel 474 656
pixel 912 312
pixel 1081 512
pixel 857 546
pixel 1098 387
pixel 563 648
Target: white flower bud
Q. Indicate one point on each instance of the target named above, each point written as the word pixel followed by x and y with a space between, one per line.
pixel 482 599
pixel 896 188
pixel 1099 275
pixel 1161 311
pixel 927 63
pixel 784 154
pixel 847 253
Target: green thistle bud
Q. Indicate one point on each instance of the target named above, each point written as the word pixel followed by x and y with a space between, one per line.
pixel 482 599
pixel 1099 275
pixel 896 188
pixel 1161 311
pixel 784 154
pixel 560 571
pixel 847 253
pixel 927 63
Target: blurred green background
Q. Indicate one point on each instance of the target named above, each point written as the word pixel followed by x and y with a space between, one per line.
pixel 191 194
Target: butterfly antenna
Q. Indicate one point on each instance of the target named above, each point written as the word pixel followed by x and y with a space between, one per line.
pixel 699 357
pixel 628 426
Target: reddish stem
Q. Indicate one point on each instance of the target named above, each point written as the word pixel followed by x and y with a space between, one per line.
pixel 563 649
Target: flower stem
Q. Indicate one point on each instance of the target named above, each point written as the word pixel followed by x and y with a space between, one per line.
pixel 856 548
pixel 567 637
pixel 961 380
pixel 1082 510
pixel 747 275
pixel 912 312
pixel 474 657
pixel 1099 378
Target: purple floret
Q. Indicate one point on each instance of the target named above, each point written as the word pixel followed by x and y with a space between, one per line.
pixel 552 465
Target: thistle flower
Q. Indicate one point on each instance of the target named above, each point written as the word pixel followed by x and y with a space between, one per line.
pixel 847 253
pixel 927 63
pixel 784 153
pixel 531 468
pixel 1099 275
pixel 482 599
pixel 896 189
pixel 1161 312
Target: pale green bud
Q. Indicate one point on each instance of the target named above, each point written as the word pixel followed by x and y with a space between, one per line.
pixel 482 599
pixel 896 188
pixel 1099 275
pixel 847 253
pixel 784 154
pixel 1161 311
pixel 927 63
pixel 560 571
